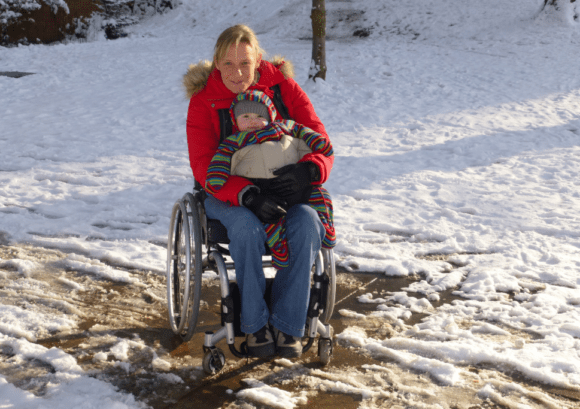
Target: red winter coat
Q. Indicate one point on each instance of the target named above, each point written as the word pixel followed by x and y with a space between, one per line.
pixel 208 94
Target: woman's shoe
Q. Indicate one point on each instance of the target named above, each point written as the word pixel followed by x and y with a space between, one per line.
pixel 288 346
pixel 261 343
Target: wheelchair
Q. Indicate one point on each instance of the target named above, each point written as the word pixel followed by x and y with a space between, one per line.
pixel 197 244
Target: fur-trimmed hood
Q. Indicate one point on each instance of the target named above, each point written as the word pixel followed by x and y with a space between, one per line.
pixel 197 74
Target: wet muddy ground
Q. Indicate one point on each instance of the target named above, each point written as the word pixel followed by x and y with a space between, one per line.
pixel 122 336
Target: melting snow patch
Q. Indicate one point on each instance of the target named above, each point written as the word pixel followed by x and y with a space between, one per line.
pixel 125 366
pixel 30 324
pixel 513 396
pixel 160 364
pixel 487 328
pixel 73 392
pixel 100 357
pixel 170 378
pixel 77 262
pixel 24 267
pixel 483 284
pixel 70 283
pixel 351 314
pixel 441 371
pixel 121 350
pixel 57 358
pixel 268 395
pixel 368 299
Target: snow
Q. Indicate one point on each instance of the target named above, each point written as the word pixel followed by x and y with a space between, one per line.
pixel 71 392
pixel 456 130
pixel 268 395
pixel 23 266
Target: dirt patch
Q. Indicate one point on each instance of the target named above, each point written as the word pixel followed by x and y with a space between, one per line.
pixel 46 23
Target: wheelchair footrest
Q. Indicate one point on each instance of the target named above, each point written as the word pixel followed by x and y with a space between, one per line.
pixel 242 353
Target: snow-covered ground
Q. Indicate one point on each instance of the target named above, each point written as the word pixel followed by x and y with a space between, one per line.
pixel 456 129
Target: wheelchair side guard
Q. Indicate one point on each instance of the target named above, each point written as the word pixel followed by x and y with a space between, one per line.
pixel 319 294
pixel 199 194
pixel 328 298
pixel 212 231
pixel 330 272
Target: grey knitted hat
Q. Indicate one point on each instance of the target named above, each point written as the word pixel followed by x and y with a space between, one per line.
pixel 245 107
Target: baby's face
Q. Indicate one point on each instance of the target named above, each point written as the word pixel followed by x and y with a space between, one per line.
pixel 251 122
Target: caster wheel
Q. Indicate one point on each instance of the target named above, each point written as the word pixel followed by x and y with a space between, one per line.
pixel 213 361
pixel 325 350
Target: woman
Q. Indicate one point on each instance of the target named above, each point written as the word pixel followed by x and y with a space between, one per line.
pixel 237 66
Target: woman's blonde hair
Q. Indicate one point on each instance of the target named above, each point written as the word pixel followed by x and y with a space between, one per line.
pixel 235 35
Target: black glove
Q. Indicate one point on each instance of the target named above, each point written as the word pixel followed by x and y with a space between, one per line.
pixel 293 178
pixel 268 209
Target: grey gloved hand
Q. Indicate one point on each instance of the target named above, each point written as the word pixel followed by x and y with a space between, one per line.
pixel 267 209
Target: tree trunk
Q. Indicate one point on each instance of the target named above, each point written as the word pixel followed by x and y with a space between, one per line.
pixel 318 17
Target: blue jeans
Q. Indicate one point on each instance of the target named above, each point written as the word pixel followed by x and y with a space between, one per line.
pixel 291 288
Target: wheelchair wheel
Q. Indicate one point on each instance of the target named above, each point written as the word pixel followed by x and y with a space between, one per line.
pixel 178 250
pixel 184 267
pixel 330 271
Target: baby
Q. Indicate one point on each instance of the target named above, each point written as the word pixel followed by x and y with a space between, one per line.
pixel 281 145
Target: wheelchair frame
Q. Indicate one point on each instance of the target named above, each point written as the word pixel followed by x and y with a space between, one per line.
pixel 195 246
